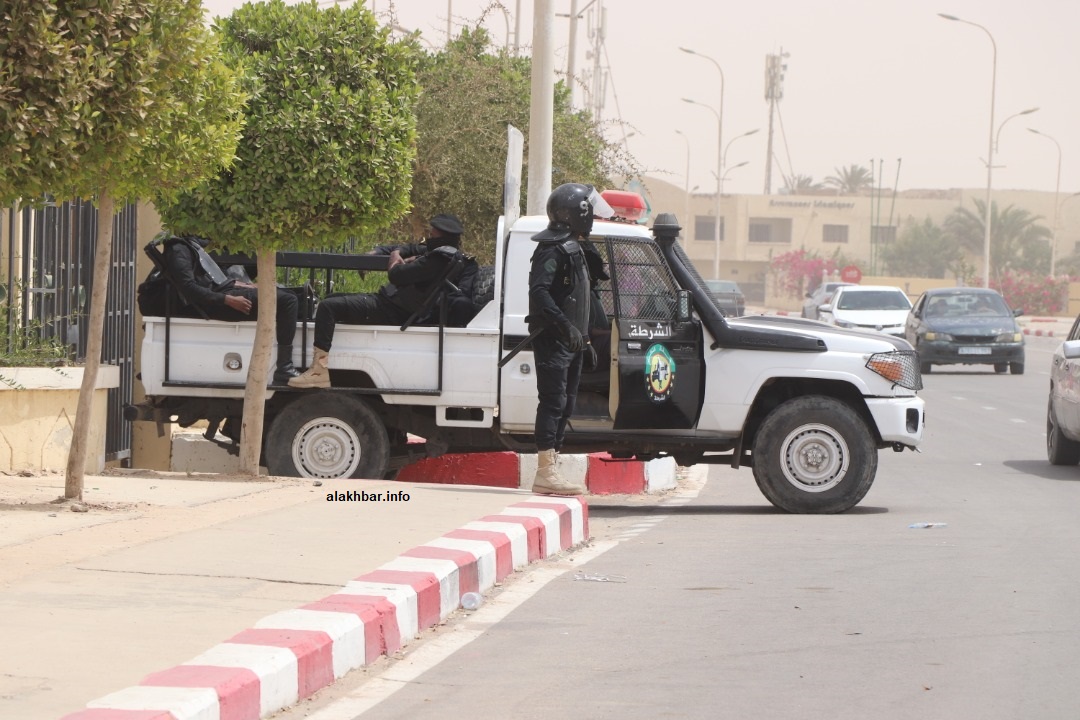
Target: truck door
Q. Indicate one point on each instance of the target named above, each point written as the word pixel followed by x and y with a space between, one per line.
pixel 657 362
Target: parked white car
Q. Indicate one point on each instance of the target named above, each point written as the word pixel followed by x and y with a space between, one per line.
pixel 868 307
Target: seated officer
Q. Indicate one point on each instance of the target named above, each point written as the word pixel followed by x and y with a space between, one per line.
pixel 413 271
pixel 203 284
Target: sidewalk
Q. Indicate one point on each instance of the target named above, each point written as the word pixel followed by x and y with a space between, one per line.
pixel 191 584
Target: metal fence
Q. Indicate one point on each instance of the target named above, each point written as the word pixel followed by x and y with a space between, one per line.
pixel 46 278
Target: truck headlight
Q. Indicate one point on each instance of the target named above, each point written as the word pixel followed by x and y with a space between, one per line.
pixel 844 324
pixel 900 367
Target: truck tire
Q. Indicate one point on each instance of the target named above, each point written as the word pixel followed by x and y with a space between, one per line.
pixel 327 435
pixel 814 454
pixel 1060 450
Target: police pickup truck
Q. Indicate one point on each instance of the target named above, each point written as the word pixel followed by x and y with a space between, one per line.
pixel 806 405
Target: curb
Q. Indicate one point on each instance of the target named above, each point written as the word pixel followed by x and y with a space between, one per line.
pixel 1039 333
pixel 289 655
pixel 599 472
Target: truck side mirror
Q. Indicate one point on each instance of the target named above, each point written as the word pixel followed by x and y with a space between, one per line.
pixel 684 314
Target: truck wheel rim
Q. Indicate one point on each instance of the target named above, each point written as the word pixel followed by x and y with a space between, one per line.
pixel 326 448
pixel 814 458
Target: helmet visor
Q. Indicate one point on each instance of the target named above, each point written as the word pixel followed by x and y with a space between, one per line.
pixel 600 206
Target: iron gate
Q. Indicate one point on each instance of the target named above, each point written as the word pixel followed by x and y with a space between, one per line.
pixel 46 279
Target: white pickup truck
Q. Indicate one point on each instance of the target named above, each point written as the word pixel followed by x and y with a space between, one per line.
pixel 806 405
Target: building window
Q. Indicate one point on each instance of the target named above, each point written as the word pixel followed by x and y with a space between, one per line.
pixel 883 234
pixel 705 227
pixel 770 230
pixel 834 233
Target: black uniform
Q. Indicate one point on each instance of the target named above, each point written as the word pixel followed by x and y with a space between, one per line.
pixel 394 303
pixel 559 298
pixel 205 285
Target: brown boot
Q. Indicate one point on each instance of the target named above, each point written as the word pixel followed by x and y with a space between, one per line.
pixel 317 376
pixel 548 481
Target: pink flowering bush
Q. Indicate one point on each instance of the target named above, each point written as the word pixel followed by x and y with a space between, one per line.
pixel 800 271
pixel 1036 294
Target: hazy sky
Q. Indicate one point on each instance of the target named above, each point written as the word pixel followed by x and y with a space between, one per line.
pixel 882 81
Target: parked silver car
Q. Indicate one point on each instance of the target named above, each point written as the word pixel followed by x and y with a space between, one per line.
pixel 822 295
pixel 1063 407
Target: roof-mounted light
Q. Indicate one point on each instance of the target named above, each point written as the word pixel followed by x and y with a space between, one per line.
pixel 628 206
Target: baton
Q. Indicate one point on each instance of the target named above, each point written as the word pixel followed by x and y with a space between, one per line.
pixel 521 345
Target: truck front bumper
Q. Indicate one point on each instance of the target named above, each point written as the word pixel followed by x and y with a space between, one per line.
pixel 899 420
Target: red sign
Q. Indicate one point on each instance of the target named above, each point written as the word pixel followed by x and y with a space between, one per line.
pixel 851 274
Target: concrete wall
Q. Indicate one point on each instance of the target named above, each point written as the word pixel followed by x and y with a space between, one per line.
pixel 38 407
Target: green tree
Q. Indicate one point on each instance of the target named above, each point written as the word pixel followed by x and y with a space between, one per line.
pixel 850 180
pixel 326 154
pixel 470 94
pixel 1017 240
pixel 110 99
pixel 922 250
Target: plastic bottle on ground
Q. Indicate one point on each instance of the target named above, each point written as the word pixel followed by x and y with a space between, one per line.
pixel 471 600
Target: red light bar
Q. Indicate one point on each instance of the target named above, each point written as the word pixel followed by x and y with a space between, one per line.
pixel 628 206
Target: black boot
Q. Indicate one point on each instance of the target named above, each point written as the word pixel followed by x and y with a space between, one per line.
pixel 285 368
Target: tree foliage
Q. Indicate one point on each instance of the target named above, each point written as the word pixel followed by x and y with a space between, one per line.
pixel 470 94
pixel 851 180
pixel 802 185
pixel 112 99
pixel 922 250
pixel 330 131
pixel 1017 240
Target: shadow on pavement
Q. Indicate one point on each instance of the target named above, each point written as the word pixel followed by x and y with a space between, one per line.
pixel 599 509
pixel 1044 470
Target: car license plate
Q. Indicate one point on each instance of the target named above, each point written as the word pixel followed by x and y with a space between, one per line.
pixel 974 351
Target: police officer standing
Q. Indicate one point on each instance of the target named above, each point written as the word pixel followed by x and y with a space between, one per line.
pixel 559 300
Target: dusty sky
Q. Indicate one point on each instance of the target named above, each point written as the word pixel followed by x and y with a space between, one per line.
pixel 877 81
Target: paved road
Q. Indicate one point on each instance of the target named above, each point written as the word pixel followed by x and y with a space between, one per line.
pixel 730 609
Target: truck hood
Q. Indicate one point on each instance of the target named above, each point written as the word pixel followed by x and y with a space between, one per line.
pixel 834 338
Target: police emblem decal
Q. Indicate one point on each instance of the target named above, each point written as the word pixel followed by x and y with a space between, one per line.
pixel 659 373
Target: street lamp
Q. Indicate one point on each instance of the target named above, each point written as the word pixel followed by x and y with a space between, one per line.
pixel 717 173
pixel 997 135
pixel 686 217
pixel 724 176
pixel 990 149
pixel 745 134
pixel 1057 193
pixel 719 154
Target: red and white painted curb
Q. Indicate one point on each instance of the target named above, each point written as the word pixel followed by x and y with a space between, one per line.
pixel 289 655
pixel 599 472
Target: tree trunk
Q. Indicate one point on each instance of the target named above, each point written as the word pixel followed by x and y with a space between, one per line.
pixel 92 328
pixel 251 431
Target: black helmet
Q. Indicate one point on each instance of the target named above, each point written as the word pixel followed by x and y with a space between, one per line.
pixel 570 210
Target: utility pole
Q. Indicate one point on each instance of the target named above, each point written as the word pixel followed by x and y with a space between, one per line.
pixel 597 34
pixel 542 110
pixel 774 92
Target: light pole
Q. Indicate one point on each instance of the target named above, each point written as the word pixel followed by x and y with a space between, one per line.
pixel 686 217
pixel 732 140
pixel 990 148
pixel 718 173
pixel 997 135
pixel 719 155
pixel 724 176
pixel 1057 193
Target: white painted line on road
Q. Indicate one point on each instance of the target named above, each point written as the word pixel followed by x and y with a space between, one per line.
pixel 1018 420
pixel 987 407
pixel 456 637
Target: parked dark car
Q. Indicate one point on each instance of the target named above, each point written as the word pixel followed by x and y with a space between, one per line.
pixel 966 326
pixel 822 295
pixel 728 297
pixel 1063 407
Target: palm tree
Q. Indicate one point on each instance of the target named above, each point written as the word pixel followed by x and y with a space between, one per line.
pixel 1016 237
pixel 923 250
pixel 802 185
pixel 851 180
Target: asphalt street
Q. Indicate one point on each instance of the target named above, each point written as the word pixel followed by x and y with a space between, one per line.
pixel 726 608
